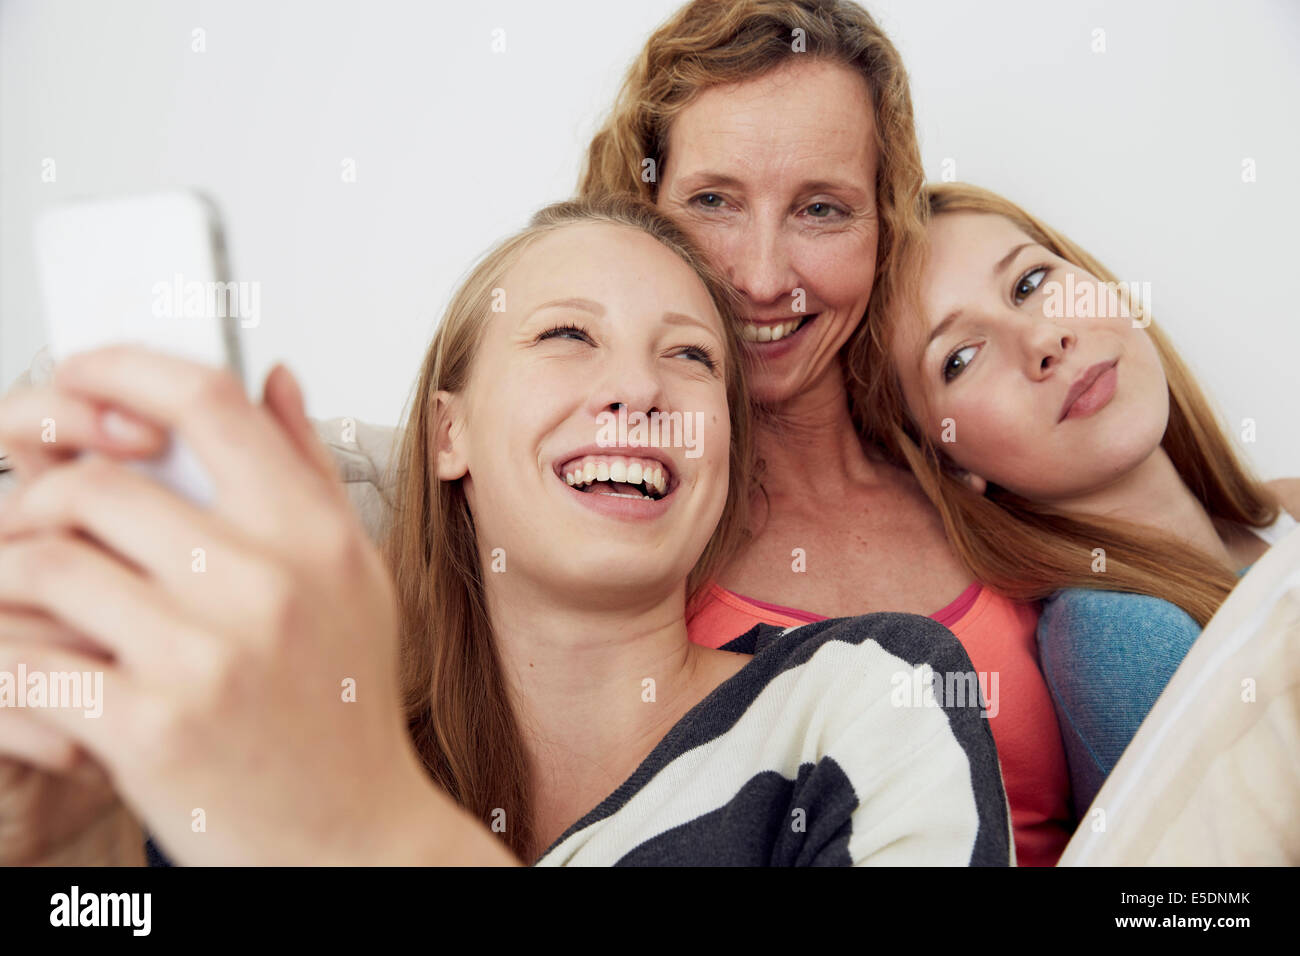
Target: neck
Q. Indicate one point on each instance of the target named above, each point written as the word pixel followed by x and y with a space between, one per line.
pixel 576 675
pixel 1153 494
pixel 809 441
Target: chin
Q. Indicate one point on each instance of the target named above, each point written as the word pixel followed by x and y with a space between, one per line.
pixel 621 575
pixel 1106 466
pixel 773 387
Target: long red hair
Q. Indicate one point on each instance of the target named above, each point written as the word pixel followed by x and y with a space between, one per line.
pixel 1023 550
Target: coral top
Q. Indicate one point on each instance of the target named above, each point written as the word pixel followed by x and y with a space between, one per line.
pixel 999 637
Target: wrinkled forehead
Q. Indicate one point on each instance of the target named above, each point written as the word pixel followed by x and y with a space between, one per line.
pixel 797 121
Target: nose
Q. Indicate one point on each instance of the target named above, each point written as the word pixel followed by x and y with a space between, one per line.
pixel 630 383
pixel 1046 344
pixel 759 263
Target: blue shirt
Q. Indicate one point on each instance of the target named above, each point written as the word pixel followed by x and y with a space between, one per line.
pixel 1106 656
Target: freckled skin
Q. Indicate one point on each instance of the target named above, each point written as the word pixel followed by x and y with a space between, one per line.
pixel 774 135
pixel 791 158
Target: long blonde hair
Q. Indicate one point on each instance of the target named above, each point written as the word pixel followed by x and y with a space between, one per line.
pixel 710 43
pixel 1018 547
pixel 458 711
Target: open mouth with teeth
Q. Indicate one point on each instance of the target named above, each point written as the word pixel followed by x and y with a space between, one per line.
pixel 618 476
pixel 774 332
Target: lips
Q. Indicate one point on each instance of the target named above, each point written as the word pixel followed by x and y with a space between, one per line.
pixel 1092 390
pixel 619 475
pixel 627 482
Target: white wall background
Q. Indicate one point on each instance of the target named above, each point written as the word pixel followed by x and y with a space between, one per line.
pixel 1137 152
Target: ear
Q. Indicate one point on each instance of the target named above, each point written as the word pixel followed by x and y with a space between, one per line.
pixel 974 482
pixel 447 415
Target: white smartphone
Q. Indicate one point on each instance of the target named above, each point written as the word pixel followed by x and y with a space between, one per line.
pixel 150 270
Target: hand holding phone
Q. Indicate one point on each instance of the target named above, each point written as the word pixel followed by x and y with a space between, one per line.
pixel 149 270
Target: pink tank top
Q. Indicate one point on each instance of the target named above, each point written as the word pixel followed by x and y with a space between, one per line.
pixel 999 637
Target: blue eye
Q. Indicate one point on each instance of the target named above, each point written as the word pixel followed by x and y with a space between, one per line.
pixel 955 364
pixel 1026 285
pixel 703 200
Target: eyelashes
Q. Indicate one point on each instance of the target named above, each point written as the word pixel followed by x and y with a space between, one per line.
pixel 703 354
pixel 1017 295
pixel 949 371
pixel 567 332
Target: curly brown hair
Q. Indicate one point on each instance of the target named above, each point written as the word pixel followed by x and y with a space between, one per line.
pixel 710 43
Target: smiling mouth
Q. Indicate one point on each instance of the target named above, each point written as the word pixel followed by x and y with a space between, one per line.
pixel 760 332
pixel 618 476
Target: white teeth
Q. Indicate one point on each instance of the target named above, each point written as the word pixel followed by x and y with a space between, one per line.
pixel 756 332
pixel 635 472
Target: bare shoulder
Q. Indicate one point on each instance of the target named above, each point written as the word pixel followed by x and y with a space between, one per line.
pixel 1288 493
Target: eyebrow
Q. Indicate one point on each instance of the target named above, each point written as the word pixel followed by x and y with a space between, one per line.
pixel 1009 257
pixel 584 305
pixel 598 310
pixel 680 318
pixel 955 314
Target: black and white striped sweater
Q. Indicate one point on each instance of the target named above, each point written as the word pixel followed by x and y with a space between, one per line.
pixel 818 752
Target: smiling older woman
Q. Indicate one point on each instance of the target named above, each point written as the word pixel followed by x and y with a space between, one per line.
pixel 779 135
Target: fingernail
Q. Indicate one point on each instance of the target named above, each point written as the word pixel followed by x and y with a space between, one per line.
pixel 125 430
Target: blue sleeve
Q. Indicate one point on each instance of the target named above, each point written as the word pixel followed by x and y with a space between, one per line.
pixel 1106 657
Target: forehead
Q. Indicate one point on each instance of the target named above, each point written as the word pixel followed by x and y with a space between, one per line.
pixel 970 241
pixel 963 248
pixel 798 119
pixel 618 266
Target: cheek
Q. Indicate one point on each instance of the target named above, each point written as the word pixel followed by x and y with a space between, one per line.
pixel 839 272
pixel 718 454
pixel 711 436
pixel 1138 344
pixel 989 432
pixel 502 429
pixel 844 264
pixel 723 246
